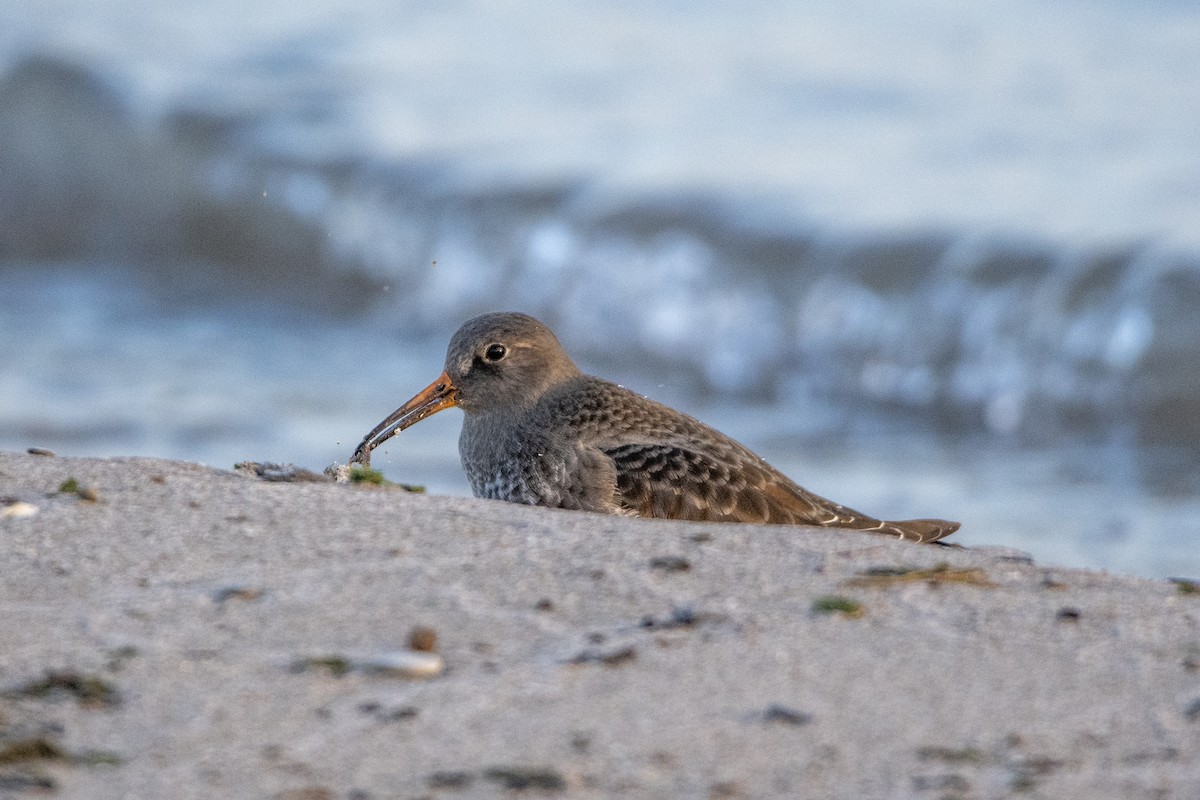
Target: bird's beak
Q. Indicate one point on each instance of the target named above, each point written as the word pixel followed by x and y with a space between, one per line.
pixel 439 395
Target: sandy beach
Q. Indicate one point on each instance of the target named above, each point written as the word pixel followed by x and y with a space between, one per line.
pixel 175 631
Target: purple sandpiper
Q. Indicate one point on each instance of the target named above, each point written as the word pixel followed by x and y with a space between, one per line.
pixel 537 430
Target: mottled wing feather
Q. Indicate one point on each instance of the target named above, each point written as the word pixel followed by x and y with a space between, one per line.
pixel 670 480
pixel 666 464
pixel 675 482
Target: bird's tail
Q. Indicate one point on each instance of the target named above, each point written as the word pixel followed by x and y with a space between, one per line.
pixel 799 506
pixel 917 530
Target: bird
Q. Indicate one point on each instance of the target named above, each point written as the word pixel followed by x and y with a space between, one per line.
pixel 537 430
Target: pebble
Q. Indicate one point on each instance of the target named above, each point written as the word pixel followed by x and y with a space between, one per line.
pixel 423 639
pixel 670 564
pixel 339 472
pixel 785 715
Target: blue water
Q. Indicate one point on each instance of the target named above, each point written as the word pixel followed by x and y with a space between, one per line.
pixel 929 259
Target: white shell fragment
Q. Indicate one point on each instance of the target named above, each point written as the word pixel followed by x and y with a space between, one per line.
pixel 15 509
pixel 402 664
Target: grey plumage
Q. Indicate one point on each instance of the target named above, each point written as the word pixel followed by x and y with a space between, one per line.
pixel 538 431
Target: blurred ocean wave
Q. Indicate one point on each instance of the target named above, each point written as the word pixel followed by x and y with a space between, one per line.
pixel 1019 335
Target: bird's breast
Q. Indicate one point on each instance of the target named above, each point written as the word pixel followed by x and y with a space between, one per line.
pixel 502 462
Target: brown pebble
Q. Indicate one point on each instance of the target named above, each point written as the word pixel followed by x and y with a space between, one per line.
pixel 89 494
pixel 423 639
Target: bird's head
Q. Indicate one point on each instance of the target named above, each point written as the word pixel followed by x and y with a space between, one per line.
pixel 500 362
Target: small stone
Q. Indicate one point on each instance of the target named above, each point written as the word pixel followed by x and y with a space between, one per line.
pixel 670 564
pixel 339 472
pixel 39 451
pixel 89 494
pixel 681 617
pixel 785 715
pixel 423 639
pixel 1068 614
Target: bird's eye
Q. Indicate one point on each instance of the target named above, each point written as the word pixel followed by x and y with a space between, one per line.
pixel 495 352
